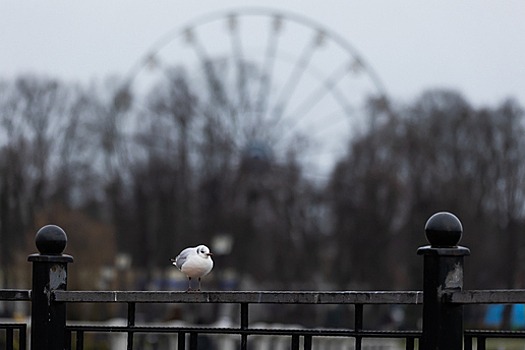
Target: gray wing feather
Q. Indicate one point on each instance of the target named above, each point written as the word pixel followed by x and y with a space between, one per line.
pixel 182 257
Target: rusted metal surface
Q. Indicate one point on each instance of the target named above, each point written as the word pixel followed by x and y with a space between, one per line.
pixel 374 297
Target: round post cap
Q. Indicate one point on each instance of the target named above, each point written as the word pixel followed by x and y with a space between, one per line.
pixel 443 229
pixel 51 240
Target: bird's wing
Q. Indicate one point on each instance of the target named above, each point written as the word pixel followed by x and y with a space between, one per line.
pixel 183 256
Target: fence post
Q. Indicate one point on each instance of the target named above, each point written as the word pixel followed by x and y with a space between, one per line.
pixel 442 271
pixel 48 318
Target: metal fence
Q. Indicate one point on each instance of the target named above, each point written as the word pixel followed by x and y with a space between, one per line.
pixel 298 337
pixel 14 334
pixel 442 299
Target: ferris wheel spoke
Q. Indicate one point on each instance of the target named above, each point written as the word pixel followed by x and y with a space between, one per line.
pixel 215 85
pixel 326 87
pixel 323 124
pixel 300 118
pixel 267 70
pixel 238 62
pixel 300 66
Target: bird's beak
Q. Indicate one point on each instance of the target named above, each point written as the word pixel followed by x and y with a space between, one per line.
pixel 209 254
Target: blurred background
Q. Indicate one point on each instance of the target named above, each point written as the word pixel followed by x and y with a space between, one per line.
pixel 305 144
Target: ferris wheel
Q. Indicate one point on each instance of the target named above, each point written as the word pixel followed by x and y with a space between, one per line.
pixel 282 85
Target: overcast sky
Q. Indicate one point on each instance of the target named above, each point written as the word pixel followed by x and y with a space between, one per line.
pixel 474 46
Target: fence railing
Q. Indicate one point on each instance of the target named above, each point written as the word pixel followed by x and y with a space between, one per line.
pixel 442 300
pixel 298 336
pixel 14 333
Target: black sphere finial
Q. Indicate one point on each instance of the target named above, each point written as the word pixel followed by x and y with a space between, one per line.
pixel 51 240
pixel 443 229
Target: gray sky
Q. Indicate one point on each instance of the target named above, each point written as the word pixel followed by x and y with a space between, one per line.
pixel 474 46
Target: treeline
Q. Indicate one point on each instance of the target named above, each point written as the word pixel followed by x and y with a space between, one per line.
pixel 146 182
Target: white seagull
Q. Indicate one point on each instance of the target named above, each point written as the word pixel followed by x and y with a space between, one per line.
pixel 194 262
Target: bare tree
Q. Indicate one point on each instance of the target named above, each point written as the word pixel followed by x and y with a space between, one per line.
pixel 442 154
pixel 41 153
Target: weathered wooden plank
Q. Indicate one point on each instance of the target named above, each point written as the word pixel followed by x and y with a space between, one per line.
pixel 268 297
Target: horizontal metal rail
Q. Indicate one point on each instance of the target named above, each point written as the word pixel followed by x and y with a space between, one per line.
pixel 381 297
pixel 317 332
pixel 497 296
pixel 15 295
pixel 494 333
pixel 294 334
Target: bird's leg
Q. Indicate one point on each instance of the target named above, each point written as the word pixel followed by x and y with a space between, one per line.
pixel 189 284
pixel 199 284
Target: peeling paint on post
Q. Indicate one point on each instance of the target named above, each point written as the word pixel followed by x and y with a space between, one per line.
pixel 454 279
pixel 48 318
pixel 442 272
pixel 58 277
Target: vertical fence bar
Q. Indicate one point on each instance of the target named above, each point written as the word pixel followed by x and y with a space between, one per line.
pixel 468 342
pixel 194 340
pixel 442 271
pixel 181 341
pixel 67 342
pixel 131 324
pixel 409 345
pixel 358 325
pixel 481 343
pixel 79 343
pixel 307 342
pixel 295 342
pixel 22 336
pixel 244 326
pixel 48 318
pixel 9 338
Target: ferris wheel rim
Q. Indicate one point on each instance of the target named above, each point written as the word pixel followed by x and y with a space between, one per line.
pixel 179 31
pixel 155 51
